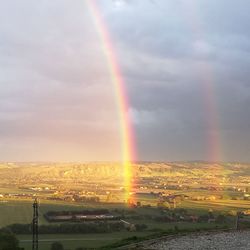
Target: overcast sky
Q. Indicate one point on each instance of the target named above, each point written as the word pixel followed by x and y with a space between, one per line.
pixel 185 63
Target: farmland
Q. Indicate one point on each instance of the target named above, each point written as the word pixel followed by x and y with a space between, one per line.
pixel 166 197
pixel 74 241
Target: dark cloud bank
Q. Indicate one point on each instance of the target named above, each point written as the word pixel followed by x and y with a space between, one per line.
pixel 57 103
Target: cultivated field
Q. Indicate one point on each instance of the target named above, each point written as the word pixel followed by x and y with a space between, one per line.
pixel 168 198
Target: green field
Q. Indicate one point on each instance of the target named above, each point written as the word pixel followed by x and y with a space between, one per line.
pixel 70 242
pixel 217 205
pixel 21 212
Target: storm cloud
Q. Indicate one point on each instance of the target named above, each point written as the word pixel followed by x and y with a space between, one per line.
pixel 185 64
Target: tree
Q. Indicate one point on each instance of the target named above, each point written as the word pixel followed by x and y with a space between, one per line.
pixel 220 218
pixel 8 241
pixel 56 246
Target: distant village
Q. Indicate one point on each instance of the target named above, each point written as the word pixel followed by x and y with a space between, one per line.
pixel 157 184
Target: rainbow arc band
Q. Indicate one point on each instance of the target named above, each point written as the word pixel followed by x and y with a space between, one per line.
pixel 127 133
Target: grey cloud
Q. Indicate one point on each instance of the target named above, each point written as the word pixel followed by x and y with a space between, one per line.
pixel 56 94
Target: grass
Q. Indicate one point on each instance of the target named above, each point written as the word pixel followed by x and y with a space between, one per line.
pixel 70 242
pixel 15 212
pixel 21 212
pixel 108 241
pixel 217 205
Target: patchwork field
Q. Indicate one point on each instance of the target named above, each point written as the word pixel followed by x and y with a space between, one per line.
pixel 167 198
pixel 21 212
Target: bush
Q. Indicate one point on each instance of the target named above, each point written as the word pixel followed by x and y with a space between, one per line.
pixel 69 228
pixel 203 218
pixel 141 227
pixel 220 219
pixel 8 241
pixel 56 246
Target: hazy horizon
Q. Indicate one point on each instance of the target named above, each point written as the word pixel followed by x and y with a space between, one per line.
pixel 121 162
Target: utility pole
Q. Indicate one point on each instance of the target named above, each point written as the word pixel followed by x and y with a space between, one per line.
pixel 237 220
pixel 35 225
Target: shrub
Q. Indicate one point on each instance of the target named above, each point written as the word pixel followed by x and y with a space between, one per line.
pixel 56 246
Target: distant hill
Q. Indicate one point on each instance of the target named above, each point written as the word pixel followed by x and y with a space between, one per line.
pixel 30 173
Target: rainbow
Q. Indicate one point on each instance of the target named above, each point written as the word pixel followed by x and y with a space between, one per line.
pixel 213 140
pixel 127 133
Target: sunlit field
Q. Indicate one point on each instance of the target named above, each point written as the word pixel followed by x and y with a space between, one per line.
pixel 168 198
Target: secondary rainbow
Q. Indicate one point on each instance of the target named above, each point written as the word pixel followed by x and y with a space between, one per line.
pixel 127 133
pixel 205 70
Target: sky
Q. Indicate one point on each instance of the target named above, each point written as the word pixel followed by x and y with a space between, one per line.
pixel 185 64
